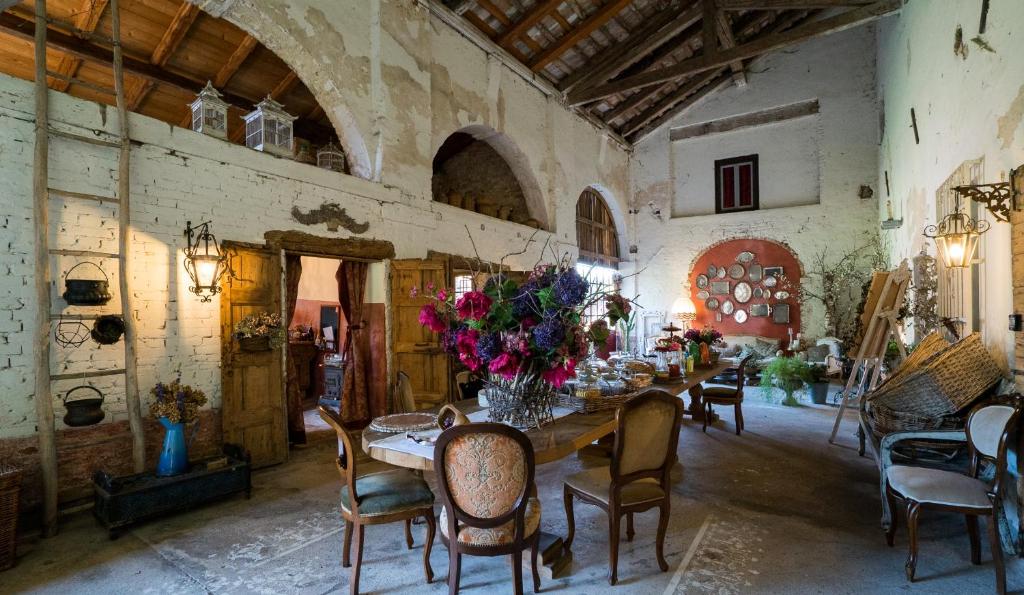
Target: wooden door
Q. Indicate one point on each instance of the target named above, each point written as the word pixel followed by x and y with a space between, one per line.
pixel 418 350
pixel 252 382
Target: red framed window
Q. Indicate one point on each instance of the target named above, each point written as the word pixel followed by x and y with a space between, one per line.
pixel 736 184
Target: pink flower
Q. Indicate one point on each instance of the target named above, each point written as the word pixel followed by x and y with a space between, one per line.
pixel 473 305
pixel 442 295
pixel 506 364
pixel 430 319
pixel 465 345
pixel 557 375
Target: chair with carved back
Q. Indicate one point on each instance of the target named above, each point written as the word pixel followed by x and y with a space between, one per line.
pixel 405 401
pixel 646 435
pixel 989 428
pixel 485 473
pixel 722 395
pixel 378 498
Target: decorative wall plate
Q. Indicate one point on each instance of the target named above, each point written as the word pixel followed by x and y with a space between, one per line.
pixel 702 281
pixel 773 271
pixel 740 316
pixel 720 288
pixel 712 270
pixel 703 294
pixel 711 304
pixel 759 310
pixel 781 295
pixel 745 257
pixel 758 293
pixel 721 273
pixel 770 281
pixel 737 271
pixel 754 271
pixel 727 307
pixel 780 314
pixel 718 317
pixel 742 292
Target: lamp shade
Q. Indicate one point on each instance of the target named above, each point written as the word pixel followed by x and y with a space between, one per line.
pixel 956 238
pixel 683 308
pixel 204 261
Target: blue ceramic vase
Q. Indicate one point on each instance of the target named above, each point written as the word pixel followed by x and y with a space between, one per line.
pixel 174 455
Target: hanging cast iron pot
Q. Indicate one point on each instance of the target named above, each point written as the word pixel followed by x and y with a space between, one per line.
pixel 86 292
pixel 108 329
pixel 85 411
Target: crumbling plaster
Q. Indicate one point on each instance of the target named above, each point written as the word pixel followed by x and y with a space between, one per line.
pixel 967 108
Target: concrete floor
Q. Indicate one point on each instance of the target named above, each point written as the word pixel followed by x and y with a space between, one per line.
pixel 776 510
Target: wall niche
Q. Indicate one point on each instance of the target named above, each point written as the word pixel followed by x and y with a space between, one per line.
pixel 470 174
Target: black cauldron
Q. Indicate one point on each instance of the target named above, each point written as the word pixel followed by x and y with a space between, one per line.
pixel 86 292
pixel 108 329
pixel 83 412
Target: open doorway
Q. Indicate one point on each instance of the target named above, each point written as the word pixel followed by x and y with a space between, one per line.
pixel 323 338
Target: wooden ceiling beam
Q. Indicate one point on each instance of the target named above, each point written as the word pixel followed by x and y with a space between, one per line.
pixel 728 41
pixel 287 84
pixel 653 33
pixel 709 26
pixel 227 70
pixel 165 48
pixel 691 86
pixel 751 49
pixel 574 36
pixel 538 12
pixel 86 19
pixel 495 12
pixel 789 4
pixel 671 105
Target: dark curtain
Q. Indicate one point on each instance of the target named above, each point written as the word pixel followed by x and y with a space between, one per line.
pixel 296 425
pixel 355 394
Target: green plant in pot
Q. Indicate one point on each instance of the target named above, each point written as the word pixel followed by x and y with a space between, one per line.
pixel 788 373
pixel 819 384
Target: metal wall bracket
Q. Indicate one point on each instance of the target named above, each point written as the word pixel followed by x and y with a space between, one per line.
pixel 999 198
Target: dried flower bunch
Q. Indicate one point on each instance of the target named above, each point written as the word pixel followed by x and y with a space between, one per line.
pixel 262 324
pixel 178 402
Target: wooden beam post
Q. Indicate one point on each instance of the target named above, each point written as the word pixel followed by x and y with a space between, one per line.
pixel 728 41
pixel 759 46
pixel 538 12
pixel 581 31
pixel 709 25
pixel 172 38
pixel 40 212
pixel 86 19
pixel 131 374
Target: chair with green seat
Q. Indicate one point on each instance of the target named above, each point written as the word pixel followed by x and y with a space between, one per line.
pixel 378 498
pixel 646 435
pixel 722 395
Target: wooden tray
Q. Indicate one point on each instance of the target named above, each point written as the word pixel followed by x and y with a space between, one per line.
pixel 404 422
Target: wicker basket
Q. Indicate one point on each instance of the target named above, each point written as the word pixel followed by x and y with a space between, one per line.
pixel 886 421
pixel 10 483
pixel 595 404
pixel 926 350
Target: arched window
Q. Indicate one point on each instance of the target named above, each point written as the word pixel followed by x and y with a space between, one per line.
pixel 595 231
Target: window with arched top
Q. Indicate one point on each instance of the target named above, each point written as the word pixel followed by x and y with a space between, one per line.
pixel 596 235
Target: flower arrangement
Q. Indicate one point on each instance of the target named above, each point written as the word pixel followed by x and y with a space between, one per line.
pixel 668 344
pixel 707 335
pixel 620 313
pixel 261 325
pixel 598 332
pixel 177 402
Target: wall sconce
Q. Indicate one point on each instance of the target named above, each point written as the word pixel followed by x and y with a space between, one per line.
pixel 956 236
pixel 204 262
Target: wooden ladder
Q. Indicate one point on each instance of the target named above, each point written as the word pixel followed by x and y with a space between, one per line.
pixel 43 253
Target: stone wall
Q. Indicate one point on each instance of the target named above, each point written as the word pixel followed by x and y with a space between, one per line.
pixel 837 149
pixel 479 180
pixel 967 108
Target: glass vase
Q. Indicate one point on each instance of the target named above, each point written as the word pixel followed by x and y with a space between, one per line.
pixel 524 402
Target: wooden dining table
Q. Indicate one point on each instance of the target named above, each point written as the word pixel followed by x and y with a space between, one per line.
pixel 552 442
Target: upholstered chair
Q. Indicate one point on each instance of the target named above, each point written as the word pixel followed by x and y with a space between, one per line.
pixel 721 395
pixel 988 430
pixel 404 400
pixel 647 431
pixel 485 474
pixel 378 498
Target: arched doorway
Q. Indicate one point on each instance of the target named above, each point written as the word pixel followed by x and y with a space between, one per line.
pixel 481 170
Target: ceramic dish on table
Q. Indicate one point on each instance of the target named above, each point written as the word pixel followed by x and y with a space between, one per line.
pixel 404 422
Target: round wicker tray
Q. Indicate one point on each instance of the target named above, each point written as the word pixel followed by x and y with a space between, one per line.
pixel 404 422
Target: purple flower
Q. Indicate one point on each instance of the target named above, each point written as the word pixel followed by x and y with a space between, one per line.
pixel 549 334
pixel 525 302
pixel 570 289
pixel 489 347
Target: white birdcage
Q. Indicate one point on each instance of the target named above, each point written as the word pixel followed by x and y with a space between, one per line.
pixel 268 128
pixel 330 156
pixel 210 112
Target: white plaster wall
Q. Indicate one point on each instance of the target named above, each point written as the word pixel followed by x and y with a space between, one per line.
pixel 966 109
pixel 838 71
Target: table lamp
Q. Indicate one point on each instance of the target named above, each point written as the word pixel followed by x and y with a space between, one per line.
pixel 684 310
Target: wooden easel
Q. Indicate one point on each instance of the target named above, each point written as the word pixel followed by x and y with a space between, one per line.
pixel 886 297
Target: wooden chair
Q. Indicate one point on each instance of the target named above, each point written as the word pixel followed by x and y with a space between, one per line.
pixel 405 402
pixel 378 498
pixel 988 430
pixel 485 473
pixel 720 395
pixel 638 478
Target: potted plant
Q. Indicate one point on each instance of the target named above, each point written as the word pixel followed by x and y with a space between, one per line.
pixel 262 331
pixel 175 406
pixel 788 373
pixel 819 384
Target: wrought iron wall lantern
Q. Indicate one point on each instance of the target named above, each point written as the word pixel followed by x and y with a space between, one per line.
pixel 204 262
pixel 956 236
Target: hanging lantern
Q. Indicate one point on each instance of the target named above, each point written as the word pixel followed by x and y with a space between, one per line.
pixel 330 156
pixel 204 262
pixel 956 237
pixel 268 128
pixel 210 112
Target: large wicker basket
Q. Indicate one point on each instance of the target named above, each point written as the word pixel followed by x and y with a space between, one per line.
pixel 10 483
pixel 595 404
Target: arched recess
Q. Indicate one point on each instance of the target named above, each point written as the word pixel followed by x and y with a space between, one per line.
pixel 480 169
pixel 599 227
pixel 766 253
pixel 256 22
